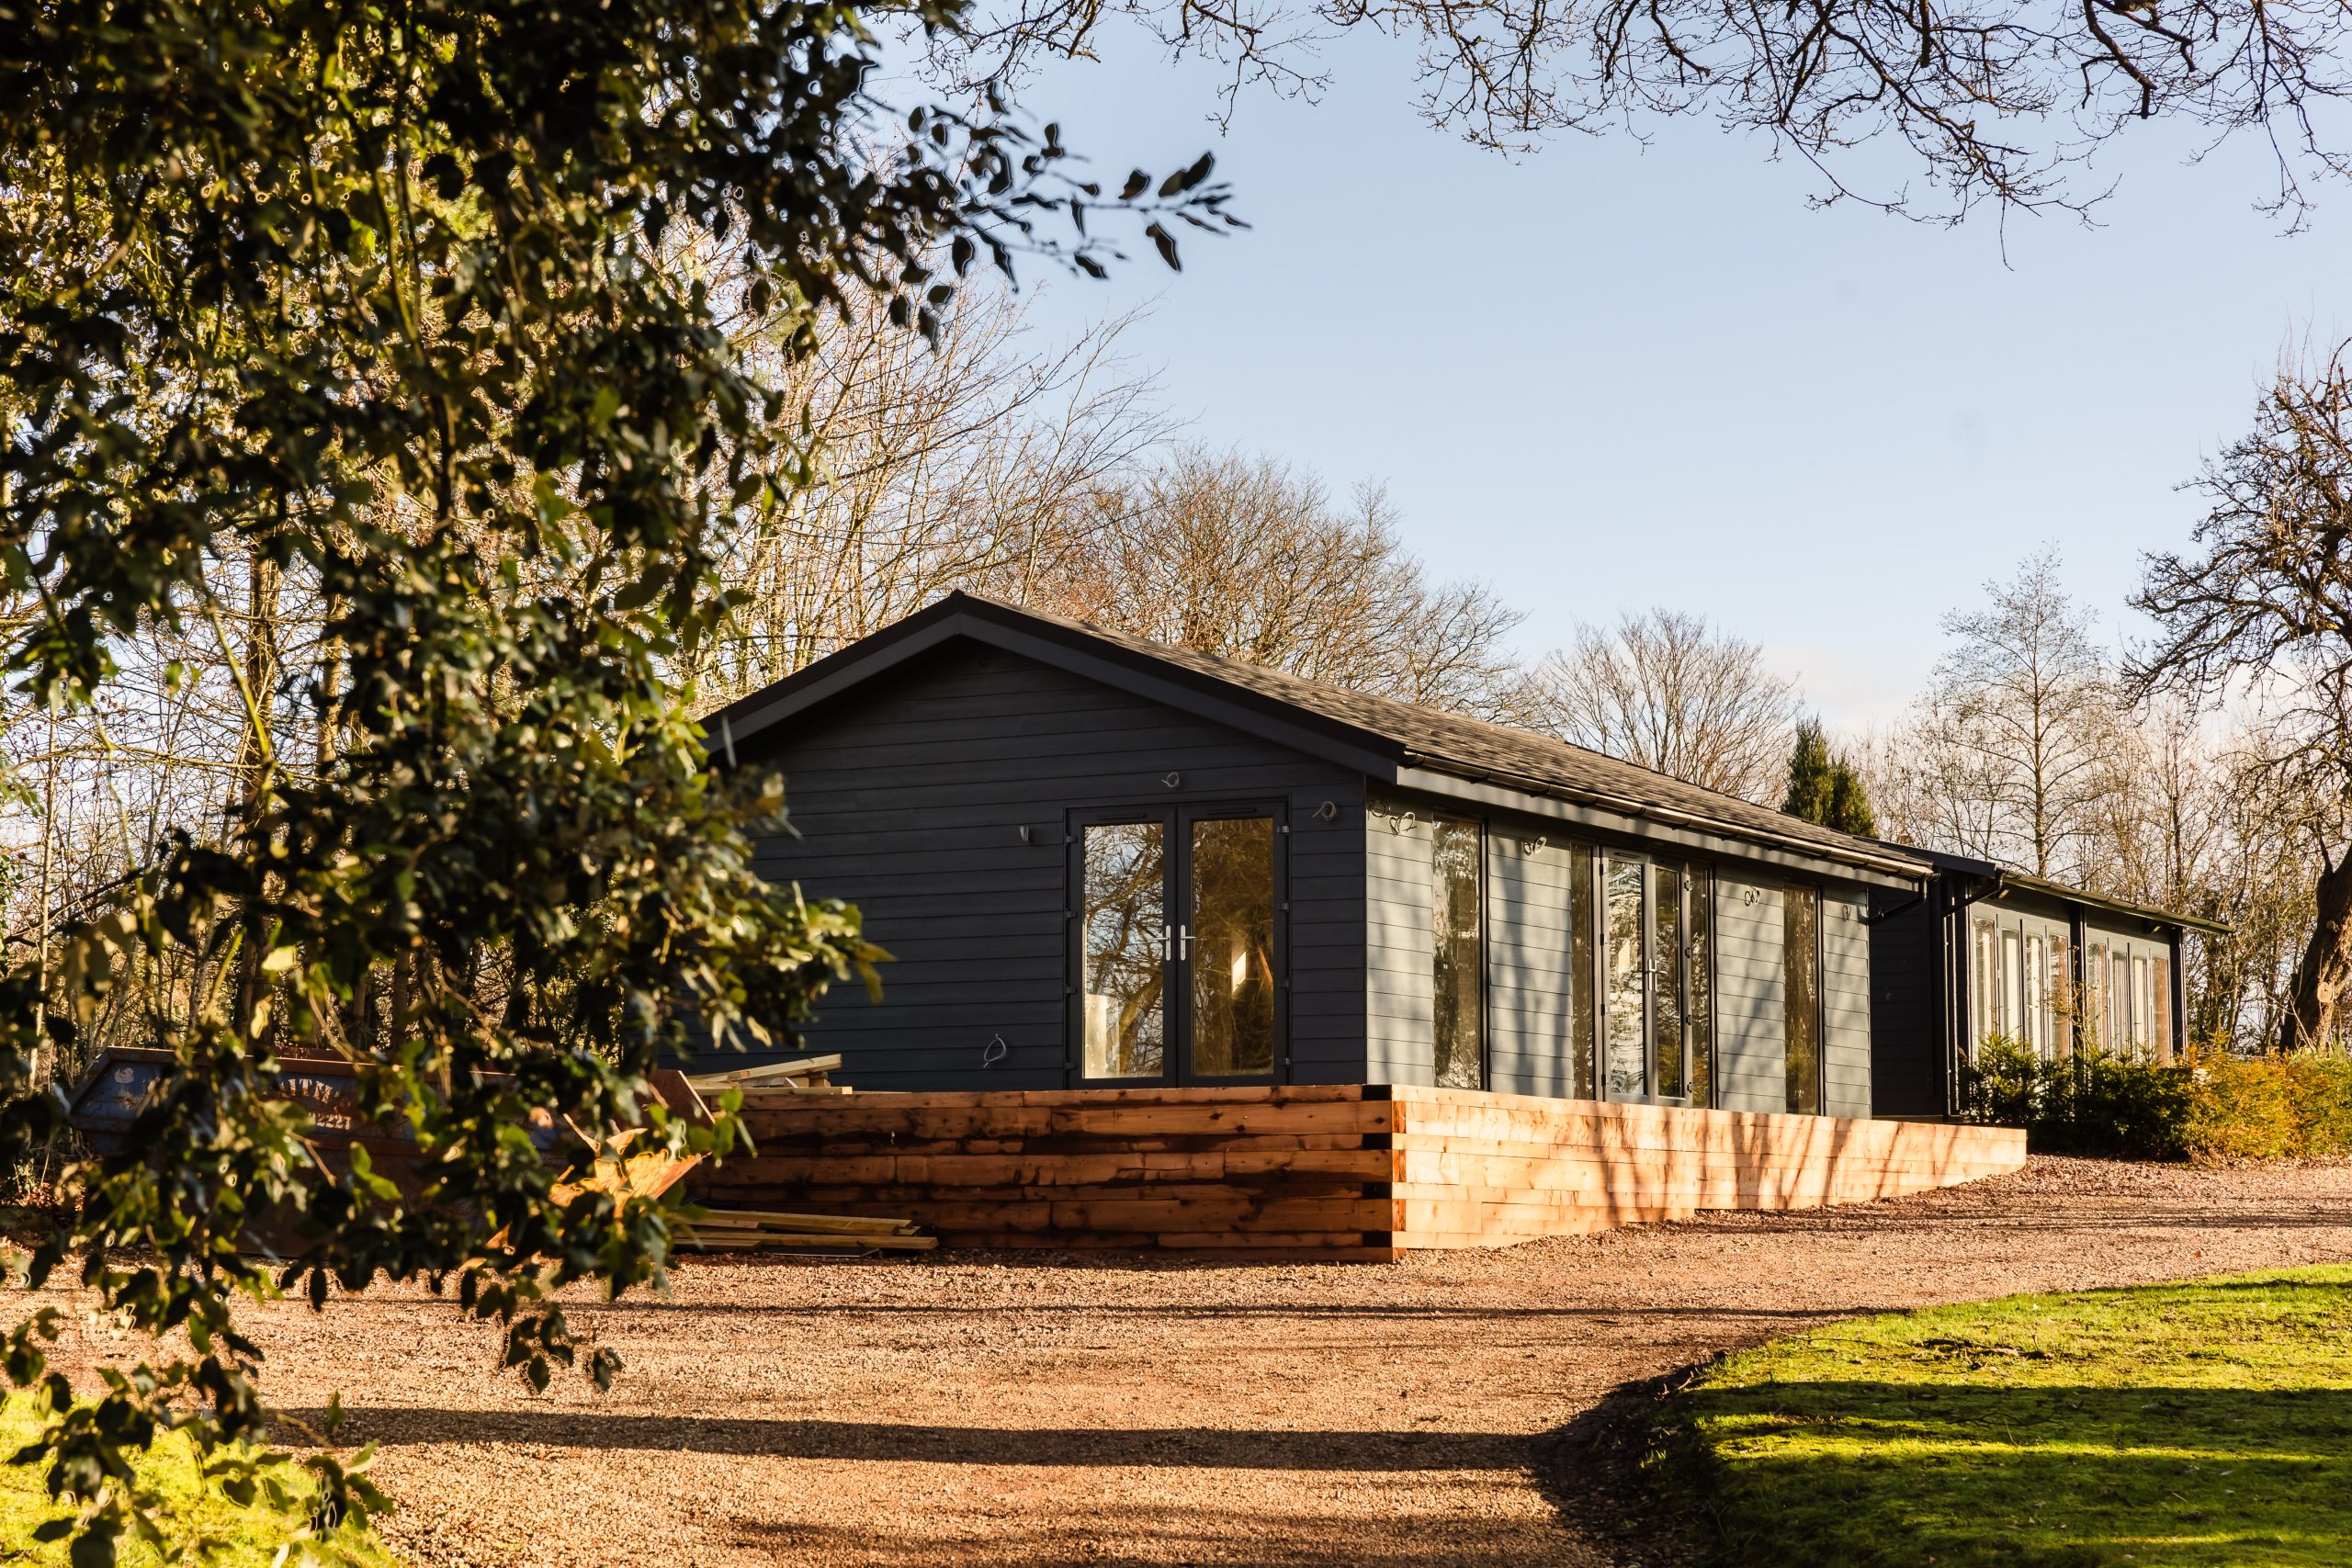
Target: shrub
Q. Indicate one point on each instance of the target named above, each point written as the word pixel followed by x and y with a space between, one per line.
pixel 2086 1103
pixel 2215 1109
pixel 2253 1108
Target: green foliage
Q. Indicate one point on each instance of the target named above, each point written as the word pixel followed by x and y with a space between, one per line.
pixel 1825 789
pixel 2197 1424
pixel 2273 1107
pixel 240 1534
pixel 2088 1102
pixel 2214 1109
pixel 370 309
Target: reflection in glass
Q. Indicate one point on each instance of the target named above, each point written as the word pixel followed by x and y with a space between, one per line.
pixel 1580 961
pixel 1623 980
pixel 1666 987
pixel 1231 942
pixel 1457 962
pixel 1801 932
pixel 1701 973
pixel 1124 932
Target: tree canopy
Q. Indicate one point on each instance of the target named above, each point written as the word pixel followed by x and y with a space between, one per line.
pixel 1825 789
pixel 359 321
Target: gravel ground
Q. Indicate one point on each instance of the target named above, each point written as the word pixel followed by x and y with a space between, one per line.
pixel 969 1408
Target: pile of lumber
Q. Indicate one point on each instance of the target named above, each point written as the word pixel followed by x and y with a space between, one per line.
pixel 809 1074
pixel 741 1230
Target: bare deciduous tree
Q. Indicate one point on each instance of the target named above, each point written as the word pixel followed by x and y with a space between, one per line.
pixel 2000 100
pixel 1249 558
pixel 2265 611
pixel 974 463
pixel 1668 691
pixel 2010 747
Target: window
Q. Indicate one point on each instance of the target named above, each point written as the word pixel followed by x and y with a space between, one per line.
pixel 2094 1005
pixel 2036 998
pixel 1580 961
pixel 2010 965
pixel 1984 988
pixel 2160 1008
pixel 1458 964
pixel 1801 961
pixel 1124 934
pixel 2062 1011
pixel 1703 986
pixel 2143 1007
pixel 1229 947
pixel 2119 1002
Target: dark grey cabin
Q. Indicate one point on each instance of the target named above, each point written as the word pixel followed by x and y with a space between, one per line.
pixel 1099 861
pixel 1989 952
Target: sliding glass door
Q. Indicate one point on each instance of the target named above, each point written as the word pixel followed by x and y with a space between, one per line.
pixel 1177 945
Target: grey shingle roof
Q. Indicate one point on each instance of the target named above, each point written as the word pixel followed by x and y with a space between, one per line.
pixel 1466 748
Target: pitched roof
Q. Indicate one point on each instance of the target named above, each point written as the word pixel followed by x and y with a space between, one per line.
pixel 1411 734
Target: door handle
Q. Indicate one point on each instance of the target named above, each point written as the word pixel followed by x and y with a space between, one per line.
pixel 1184 942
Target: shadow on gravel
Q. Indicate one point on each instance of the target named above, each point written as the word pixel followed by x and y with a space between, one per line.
pixel 1182 1447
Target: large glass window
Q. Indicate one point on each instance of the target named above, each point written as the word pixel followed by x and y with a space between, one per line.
pixel 1985 984
pixel 1458 962
pixel 2036 999
pixel 2096 1035
pixel 1231 942
pixel 1666 983
pixel 1124 932
pixel 1580 963
pixel 2160 1005
pixel 2142 1007
pixel 2119 1002
pixel 2010 965
pixel 1625 980
pixel 1702 950
pixel 1801 959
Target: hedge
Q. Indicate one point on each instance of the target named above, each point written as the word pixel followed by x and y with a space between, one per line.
pixel 2214 1109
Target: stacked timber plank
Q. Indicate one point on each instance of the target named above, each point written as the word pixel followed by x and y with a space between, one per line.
pixel 808 1074
pixel 743 1230
pixel 1261 1172
pixel 1343 1171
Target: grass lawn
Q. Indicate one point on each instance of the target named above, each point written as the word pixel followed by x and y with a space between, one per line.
pixel 246 1536
pixel 2206 1423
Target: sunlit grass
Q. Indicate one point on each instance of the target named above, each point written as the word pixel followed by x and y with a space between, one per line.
pixel 2205 1423
pixel 241 1536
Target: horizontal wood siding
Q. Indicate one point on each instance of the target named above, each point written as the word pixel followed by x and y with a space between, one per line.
pixel 1752 983
pixel 1400 1017
pixel 1844 1001
pixel 910 799
pixel 1527 963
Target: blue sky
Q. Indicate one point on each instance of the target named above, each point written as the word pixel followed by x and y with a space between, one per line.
pixel 1609 376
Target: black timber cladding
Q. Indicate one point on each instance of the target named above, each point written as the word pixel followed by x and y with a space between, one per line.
pixel 911 801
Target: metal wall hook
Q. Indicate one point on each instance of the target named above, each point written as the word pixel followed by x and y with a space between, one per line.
pixel 995 1051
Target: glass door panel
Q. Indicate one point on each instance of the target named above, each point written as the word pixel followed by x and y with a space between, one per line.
pixel 1227 946
pixel 1665 982
pixel 1624 980
pixel 1123 934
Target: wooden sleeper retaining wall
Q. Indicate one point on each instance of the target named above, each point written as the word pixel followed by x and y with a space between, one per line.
pixel 1331 1171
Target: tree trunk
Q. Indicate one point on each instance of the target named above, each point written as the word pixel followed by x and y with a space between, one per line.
pixel 2327 968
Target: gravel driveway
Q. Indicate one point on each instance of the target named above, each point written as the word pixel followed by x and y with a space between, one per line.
pixel 962 1409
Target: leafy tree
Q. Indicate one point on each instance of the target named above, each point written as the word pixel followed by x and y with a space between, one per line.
pixel 365 307
pixel 1825 789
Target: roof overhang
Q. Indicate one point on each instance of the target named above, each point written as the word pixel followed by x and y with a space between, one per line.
pixel 1380 757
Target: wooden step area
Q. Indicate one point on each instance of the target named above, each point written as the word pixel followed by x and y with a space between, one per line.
pixel 1324 1172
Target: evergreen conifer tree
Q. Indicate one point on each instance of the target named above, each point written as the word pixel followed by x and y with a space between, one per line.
pixel 1824 788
